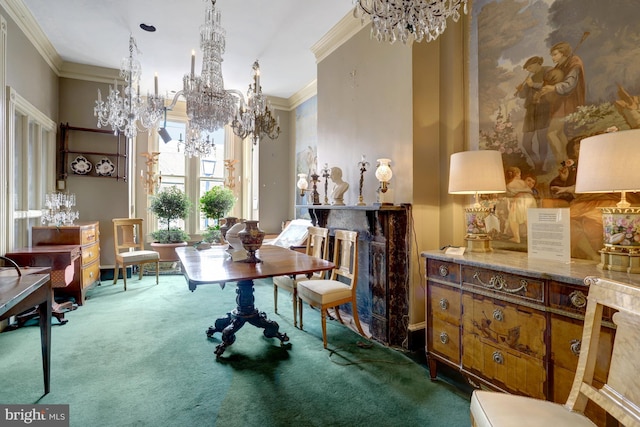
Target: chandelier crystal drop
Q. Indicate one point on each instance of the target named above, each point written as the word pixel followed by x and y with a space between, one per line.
pixel 125 111
pixel 209 105
pixel 256 118
pixel 408 20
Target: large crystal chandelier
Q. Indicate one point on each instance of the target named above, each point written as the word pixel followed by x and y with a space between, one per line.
pixel 125 111
pixel 209 105
pixel 256 119
pixel 196 144
pixel 408 19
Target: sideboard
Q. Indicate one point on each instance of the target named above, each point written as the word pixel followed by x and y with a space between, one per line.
pixel 511 323
pixel 87 236
pixel 383 263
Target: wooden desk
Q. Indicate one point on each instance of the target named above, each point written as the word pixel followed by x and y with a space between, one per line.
pixel 20 293
pixel 215 266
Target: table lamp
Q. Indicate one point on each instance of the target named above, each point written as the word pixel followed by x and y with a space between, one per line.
pixel 476 172
pixel 384 174
pixel 609 163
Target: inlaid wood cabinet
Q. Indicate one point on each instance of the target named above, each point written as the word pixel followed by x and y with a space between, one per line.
pixel 512 324
pixel 85 234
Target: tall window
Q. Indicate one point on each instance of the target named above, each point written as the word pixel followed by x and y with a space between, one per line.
pixel 31 157
pixel 194 175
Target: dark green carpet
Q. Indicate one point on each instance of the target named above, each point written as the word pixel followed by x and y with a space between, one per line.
pixel 141 357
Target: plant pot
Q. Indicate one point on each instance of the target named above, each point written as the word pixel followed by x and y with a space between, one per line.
pixel 167 250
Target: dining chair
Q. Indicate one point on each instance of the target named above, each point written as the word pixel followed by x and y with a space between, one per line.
pixel 331 293
pixel 128 239
pixel 317 246
pixel 619 397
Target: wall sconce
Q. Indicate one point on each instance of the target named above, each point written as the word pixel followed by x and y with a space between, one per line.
pixel 608 163
pixel 303 185
pixel 149 179
pixel 476 172
pixel 229 165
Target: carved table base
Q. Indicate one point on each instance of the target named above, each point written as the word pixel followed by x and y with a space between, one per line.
pixel 244 312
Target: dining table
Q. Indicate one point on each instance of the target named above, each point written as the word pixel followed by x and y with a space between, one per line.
pixel 216 266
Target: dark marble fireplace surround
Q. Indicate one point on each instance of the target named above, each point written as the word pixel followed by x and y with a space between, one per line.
pixel 383 263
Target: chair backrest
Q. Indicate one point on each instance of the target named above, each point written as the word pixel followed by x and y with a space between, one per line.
pixel 345 257
pixel 620 396
pixel 318 246
pixel 127 234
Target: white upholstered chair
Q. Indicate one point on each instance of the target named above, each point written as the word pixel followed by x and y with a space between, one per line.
pixel 317 246
pixel 129 246
pixel 619 397
pixel 332 292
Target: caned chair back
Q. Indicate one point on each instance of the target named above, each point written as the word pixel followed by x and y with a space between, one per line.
pixel 620 396
pixel 345 257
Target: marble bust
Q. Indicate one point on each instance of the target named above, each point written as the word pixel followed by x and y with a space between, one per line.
pixel 339 186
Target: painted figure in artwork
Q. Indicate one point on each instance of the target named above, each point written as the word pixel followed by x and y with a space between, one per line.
pixel 339 186
pixel 537 117
pixel 520 199
pixel 565 90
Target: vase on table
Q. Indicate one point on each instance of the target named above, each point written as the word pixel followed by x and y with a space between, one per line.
pixel 229 222
pixel 251 238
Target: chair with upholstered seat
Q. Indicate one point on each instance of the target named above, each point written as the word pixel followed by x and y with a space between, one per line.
pixel 332 292
pixel 619 397
pixel 128 239
pixel 317 246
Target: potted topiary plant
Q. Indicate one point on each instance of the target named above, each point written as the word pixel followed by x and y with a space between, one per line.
pixel 169 205
pixel 215 204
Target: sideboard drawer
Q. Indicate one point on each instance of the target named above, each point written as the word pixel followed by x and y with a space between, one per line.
pixel 90 274
pixel 504 285
pixel 445 340
pixel 444 303
pixel 90 254
pixel 443 271
pixel 89 235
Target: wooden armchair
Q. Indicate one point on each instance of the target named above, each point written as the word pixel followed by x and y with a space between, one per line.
pixel 129 246
pixel 619 397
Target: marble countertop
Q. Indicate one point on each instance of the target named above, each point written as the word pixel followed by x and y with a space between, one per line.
pixel 519 263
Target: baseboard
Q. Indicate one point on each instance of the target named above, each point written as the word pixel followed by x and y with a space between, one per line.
pixel 106 272
pixel 416 339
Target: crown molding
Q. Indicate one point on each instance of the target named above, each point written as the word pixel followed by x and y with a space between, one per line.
pixel 92 73
pixel 309 91
pixel 28 25
pixel 346 28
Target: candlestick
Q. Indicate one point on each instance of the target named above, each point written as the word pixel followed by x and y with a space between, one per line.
pixel 325 174
pixel 155 84
pixel 193 62
pixel 362 164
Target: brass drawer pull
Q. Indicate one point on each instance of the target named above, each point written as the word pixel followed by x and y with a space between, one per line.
pixel 498 357
pixel 498 314
pixel 499 283
pixel 578 299
pixel 444 304
pixel 444 337
pixel 443 270
pixel 575 347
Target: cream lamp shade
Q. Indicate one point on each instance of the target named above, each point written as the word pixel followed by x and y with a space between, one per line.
pixel 384 173
pixel 609 163
pixel 476 172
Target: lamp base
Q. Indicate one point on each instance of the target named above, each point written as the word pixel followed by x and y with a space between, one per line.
pixel 615 260
pixel 478 243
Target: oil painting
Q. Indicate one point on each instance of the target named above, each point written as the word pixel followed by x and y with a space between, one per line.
pixel 543 75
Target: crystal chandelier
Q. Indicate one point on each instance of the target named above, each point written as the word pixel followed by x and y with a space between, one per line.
pixel 58 209
pixel 256 119
pixel 209 105
pixel 196 144
pixel 406 19
pixel 126 111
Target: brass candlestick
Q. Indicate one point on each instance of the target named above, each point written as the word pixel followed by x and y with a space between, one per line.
pixel 314 193
pixel 325 174
pixel 362 164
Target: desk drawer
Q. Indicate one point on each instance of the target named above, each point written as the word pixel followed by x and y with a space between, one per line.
pixel 88 235
pixel 501 284
pixel 444 339
pixel 90 274
pixel 90 254
pixel 443 271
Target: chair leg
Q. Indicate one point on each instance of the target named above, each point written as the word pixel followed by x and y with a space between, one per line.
pixel 157 271
pixel 124 276
pixel 115 273
pixel 323 313
pixel 275 298
pixel 337 311
pixel 356 318
pixel 140 269
pixel 300 311
pixel 295 307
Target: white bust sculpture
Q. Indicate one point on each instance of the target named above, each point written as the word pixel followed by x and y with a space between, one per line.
pixel 339 186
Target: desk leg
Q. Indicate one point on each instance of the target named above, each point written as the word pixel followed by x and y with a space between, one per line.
pixel 44 310
pixel 245 312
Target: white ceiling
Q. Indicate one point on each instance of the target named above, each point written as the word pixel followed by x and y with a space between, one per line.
pixel 278 33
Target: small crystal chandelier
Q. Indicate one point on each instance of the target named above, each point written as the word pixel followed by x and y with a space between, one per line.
pixel 406 19
pixel 256 118
pixel 209 105
pixel 58 210
pixel 126 111
pixel 196 144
